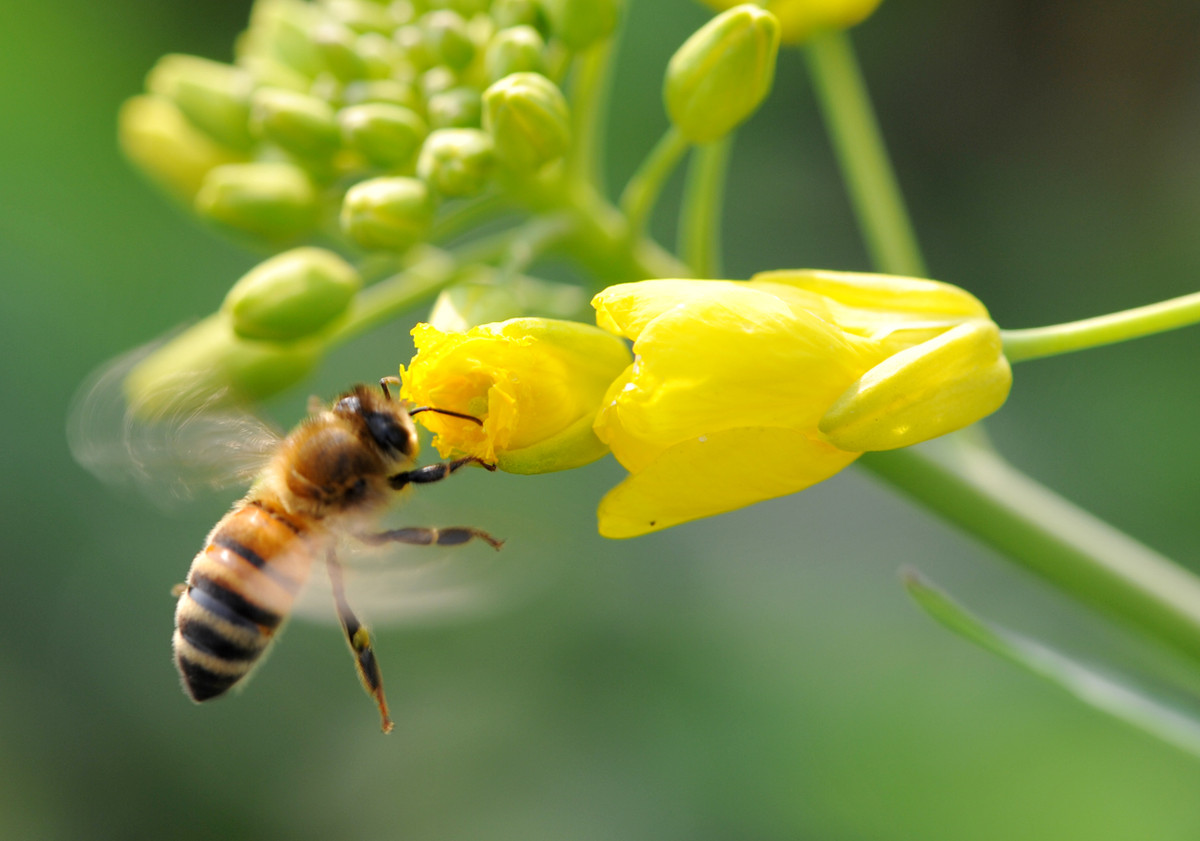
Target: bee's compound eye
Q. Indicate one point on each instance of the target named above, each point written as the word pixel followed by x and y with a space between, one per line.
pixel 387 432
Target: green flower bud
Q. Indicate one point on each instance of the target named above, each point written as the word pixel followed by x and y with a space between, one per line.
pixel 161 142
pixel 457 161
pixel 506 13
pixel 336 45
pixel 581 23
pixel 280 30
pixel 527 117
pixel 467 304
pixel 381 57
pixel 361 15
pixel 410 40
pixel 456 108
pixel 271 200
pixel 291 295
pixel 382 90
pixel 517 49
pixel 386 135
pixel 466 8
pixel 721 74
pixel 447 39
pixel 209 358
pixel 391 213
pixel 214 97
pixel 300 124
pixel 437 80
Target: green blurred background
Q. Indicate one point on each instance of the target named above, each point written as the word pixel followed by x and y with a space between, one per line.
pixel 757 676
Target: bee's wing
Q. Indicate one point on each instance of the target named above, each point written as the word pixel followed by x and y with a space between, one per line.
pixel 188 442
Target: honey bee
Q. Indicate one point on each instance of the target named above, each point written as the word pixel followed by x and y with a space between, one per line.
pixel 322 484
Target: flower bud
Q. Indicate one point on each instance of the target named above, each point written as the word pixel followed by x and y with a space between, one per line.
pixel 214 97
pixel 386 135
pixel 535 383
pixel 447 38
pixel 457 161
pixel 799 19
pixel 336 45
pixel 388 213
pixel 933 388
pixel 298 123
pixel 517 49
pixel 361 15
pixel 388 91
pixel 722 73
pixel 527 116
pixel 469 303
pixel 281 31
pixel 291 295
pixel 157 138
pixel 209 359
pixel 509 13
pixel 271 200
pixel 581 23
pixel 456 108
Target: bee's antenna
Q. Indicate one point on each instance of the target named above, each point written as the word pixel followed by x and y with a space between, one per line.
pixel 384 382
pixel 420 409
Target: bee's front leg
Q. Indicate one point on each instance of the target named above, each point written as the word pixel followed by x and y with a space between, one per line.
pixel 434 472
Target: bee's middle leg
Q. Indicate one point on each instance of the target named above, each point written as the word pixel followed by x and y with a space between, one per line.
pixel 419 536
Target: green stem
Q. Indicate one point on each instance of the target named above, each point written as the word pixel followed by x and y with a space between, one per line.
pixel 1038 342
pixel 428 271
pixel 589 112
pixel 1048 535
pixel 643 189
pixel 534 238
pixel 852 126
pixel 703 200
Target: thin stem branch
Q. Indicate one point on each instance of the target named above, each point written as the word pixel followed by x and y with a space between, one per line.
pixel 852 126
pixel 1038 342
pixel 589 114
pixel 703 200
pixel 644 188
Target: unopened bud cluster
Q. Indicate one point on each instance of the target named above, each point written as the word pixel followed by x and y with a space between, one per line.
pixel 363 112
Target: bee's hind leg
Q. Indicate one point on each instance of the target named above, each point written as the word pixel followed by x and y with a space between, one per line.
pixel 360 643
pixel 419 536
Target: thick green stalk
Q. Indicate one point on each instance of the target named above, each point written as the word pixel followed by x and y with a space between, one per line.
pixel 1037 342
pixel 866 168
pixel 977 490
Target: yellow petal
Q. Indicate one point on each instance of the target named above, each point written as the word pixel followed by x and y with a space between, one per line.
pixel 743 360
pixel 627 308
pixel 929 390
pixel 716 473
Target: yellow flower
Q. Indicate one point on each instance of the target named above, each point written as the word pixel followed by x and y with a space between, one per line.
pixel 536 383
pixel 745 391
pixel 799 19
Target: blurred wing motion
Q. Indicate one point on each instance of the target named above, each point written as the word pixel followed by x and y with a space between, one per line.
pixel 399 585
pixel 187 441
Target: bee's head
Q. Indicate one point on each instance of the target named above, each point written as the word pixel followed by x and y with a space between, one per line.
pixel 384 422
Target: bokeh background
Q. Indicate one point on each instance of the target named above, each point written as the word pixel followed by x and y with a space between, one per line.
pixel 757 676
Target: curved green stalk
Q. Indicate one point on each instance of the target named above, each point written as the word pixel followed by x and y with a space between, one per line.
pixel 643 189
pixel 866 168
pixel 1038 342
pixel 703 200
pixel 1083 555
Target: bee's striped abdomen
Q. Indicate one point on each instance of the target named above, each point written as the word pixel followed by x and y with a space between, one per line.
pixel 239 590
